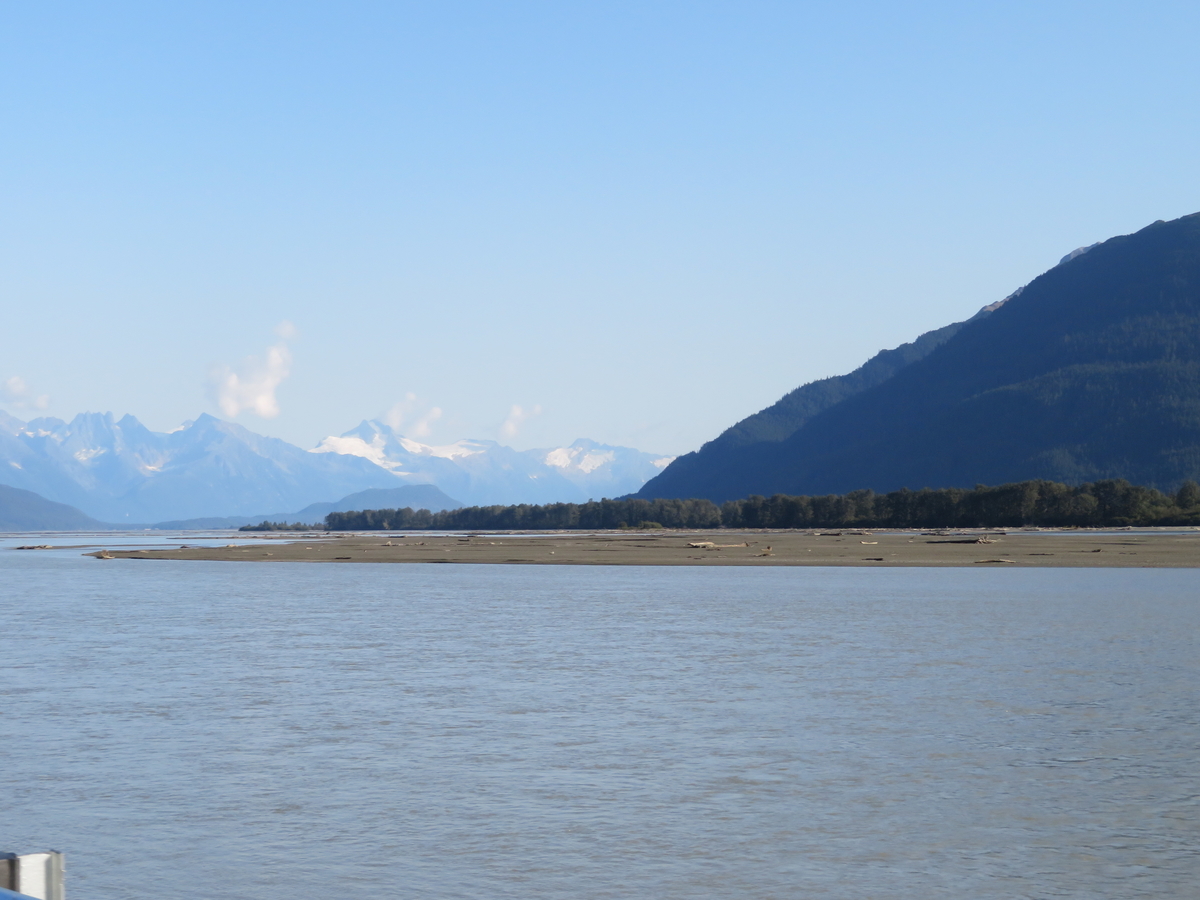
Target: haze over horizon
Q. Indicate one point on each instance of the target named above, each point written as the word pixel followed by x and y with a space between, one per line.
pixel 632 223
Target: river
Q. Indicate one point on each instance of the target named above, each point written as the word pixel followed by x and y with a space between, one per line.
pixel 291 730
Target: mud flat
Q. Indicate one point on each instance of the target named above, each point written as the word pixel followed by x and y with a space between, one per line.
pixel 1073 549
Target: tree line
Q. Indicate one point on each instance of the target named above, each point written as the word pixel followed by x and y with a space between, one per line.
pixel 1108 503
pixel 280 526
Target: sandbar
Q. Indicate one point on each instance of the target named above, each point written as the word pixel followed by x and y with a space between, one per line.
pixel 1135 548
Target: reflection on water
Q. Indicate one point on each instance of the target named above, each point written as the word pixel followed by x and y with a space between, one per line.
pixel 287 731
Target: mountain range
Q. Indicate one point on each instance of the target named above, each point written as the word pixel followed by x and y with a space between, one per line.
pixel 1090 371
pixel 412 496
pixel 118 471
pixel 481 473
pixel 26 511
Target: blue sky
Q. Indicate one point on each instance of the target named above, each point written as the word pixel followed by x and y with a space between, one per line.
pixel 635 222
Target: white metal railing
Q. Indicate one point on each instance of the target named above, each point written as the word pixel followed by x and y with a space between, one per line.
pixel 32 875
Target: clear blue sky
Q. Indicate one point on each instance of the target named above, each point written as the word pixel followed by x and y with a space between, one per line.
pixel 647 219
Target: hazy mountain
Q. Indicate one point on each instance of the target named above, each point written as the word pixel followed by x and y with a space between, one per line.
pixel 10 424
pixel 415 496
pixel 120 471
pixel 1091 371
pixel 485 472
pixel 26 511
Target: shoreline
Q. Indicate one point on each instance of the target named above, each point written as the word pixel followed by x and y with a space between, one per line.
pixel 1134 548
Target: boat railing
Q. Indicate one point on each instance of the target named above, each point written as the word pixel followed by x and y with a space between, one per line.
pixel 32 876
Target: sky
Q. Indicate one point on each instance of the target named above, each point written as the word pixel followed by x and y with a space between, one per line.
pixel 635 222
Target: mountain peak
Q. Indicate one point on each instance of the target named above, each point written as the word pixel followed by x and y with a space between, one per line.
pixel 485 472
pixel 120 471
pixel 10 424
pixel 1087 373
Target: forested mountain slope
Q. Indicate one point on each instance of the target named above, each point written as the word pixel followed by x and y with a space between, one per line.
pixel 1092 371
pixel 787 415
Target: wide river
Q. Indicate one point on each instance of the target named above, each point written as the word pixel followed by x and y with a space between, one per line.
pixel 302 731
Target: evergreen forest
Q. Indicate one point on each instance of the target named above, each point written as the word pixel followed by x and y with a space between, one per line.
pixel 1106 504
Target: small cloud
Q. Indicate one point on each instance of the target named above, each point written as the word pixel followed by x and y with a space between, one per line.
pixel 423 426
pixel 15 388
pixel 16 392
pixel 400 412
pixel 412 410
pixel 252 385
pixel 286 330
pixel 517 416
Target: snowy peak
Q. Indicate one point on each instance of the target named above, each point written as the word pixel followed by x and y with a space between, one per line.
pixel 485 472
pixel 120 471
pixel 117 470
pixel 587 457
pixel 583 456
pixel 377 442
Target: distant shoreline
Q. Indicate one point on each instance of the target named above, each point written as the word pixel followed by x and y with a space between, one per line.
pixel 978 548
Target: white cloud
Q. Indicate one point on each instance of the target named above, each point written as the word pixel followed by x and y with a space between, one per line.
pixel 400 411
pixel 423 425
pixel 17 393
pixel 252 385
pixel 15 388
pixel 516 417
pixel 411 409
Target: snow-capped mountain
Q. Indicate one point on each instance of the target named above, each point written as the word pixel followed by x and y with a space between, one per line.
pixel 485 472
pixel 120 471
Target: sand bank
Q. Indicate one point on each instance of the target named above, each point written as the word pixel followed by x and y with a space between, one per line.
pixel 1077 549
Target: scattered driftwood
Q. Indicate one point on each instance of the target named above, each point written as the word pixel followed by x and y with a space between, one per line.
pixel 995 561
pixel 962 534
pixel 35 547
pixel 709 545
pixel 979 540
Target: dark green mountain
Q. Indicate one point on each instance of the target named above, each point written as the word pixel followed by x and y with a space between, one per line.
pixel 26 511
pixel 1091 371
pixel 786 416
